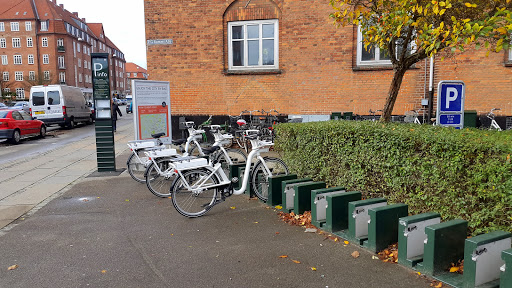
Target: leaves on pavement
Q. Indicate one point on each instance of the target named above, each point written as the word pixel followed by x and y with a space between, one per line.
pixel 12 267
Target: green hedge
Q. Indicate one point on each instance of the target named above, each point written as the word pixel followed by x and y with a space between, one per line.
pixel 460 174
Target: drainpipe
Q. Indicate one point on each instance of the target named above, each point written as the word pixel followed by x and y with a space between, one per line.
pixel 431 89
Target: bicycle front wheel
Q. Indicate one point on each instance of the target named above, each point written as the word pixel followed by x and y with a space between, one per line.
pixel 236 156
pixel 158 184
pixel 136 168
pixel 195 202
pixel 260 175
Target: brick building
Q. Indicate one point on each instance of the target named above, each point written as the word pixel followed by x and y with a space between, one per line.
pixel 231 55
pixel 134 72
pixel 43 43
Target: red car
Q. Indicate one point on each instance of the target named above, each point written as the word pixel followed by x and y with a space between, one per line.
pixel 18 124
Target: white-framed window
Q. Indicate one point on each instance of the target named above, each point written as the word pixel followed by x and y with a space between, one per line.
pixel 85 49
pixel 30 58
pixel 17 60
pixel 134 75
pixel 3 43
pixel 46 75
pixel 60 60
pixel 7 90
pixel 15 26
pixel 16 42
pixel 85 63
pixel 2 26
pixel 62 77
pixel 253 45
pixel 28 26
pixel 44 25
pixel 30 43
pixel 74 49
pixel 18 75
pixel 89 65
pixel 372 55
pixel 44 41
pixel 127 75
pixel 79 63
pixel 46 59
pixel 80 77
pixel 31 75
pixel 78 48
pixel 60 42
pixel 5 61
pixel 20 93
pixel 5 76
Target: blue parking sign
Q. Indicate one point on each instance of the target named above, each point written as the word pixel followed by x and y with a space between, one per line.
pixel 450 103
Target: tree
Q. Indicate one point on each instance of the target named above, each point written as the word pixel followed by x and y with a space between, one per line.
pixel 426 27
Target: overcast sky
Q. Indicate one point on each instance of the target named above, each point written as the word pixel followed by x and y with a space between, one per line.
pixel 123 23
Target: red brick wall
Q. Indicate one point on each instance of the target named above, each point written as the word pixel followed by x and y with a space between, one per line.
pixel 316 60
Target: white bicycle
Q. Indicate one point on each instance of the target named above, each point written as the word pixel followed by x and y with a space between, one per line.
pixel 138 161
pixel 200 185
pixel 494 124
pixel 160 172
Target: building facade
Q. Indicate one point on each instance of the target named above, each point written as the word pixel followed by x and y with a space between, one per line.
pixel 43 43
pixel 134 72
pixel 232 55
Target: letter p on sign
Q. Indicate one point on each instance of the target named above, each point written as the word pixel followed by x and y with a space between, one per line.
pixel 451 95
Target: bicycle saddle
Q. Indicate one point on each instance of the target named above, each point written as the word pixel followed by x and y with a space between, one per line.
pixel 179 141
pixel 158 135
pixel 210 150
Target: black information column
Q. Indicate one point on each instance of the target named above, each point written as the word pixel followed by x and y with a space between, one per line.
pixel 106 154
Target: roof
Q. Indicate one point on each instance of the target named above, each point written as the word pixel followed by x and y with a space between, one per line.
pixel 134 68
pixel 16 9
pixel 97 30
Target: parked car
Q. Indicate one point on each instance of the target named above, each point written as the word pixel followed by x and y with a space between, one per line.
pixel 18 124
pixel 129 108
pixel 59 104
pixel 22 105
pixel 3 106
pixel 122 102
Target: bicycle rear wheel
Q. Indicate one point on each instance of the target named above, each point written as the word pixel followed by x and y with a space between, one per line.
pixel 158 184
pixel 259 176
pixel 191 203
pixel 136 168
pixel 236 156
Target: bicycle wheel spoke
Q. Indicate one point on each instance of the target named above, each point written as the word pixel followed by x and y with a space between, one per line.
pixel 193 203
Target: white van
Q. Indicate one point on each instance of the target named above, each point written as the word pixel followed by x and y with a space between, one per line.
pixel 59 104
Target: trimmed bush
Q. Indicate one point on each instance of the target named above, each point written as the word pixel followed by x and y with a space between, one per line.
pixel 463 174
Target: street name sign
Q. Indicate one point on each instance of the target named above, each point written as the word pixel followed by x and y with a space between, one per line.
pixel 450 103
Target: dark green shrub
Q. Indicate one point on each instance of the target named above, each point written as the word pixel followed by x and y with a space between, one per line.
pixel 461 174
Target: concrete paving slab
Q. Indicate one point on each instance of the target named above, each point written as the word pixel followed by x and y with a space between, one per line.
pixel 35 175
pixel 34 195
pixel 12 212
pixel 8 190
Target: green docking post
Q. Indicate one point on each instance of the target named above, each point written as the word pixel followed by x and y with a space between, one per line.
pixel 275 196
pixel 302 199
pixel 411 237
pixel 506 269
pixel 358 218
pixel 383 226
pixel 319 204
pixel 337 212
pixel 288 193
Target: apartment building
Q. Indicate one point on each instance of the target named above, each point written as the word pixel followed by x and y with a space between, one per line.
pixel 43 43
pixel 134 72
pixel 222 57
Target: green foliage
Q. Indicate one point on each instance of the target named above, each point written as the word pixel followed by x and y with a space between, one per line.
pixel 460 174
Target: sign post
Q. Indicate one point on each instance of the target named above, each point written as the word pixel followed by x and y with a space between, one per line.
pixel 152 109
pixel 450 104
pixel 105 151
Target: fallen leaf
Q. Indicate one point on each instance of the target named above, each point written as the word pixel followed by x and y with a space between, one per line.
pixel 375 257
pixel 439 285
pixel 454 269
pixel 313 268
pixel 279 207
pixel 310 230
pixel 127 200
pixel 355 254
pixel 283 256
pixel 233 207
pixel 103 271
pixel 296 261
pixel 12 267
pixel 255 222
pixel 346 242
pixel 277 232
pixel 335 239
